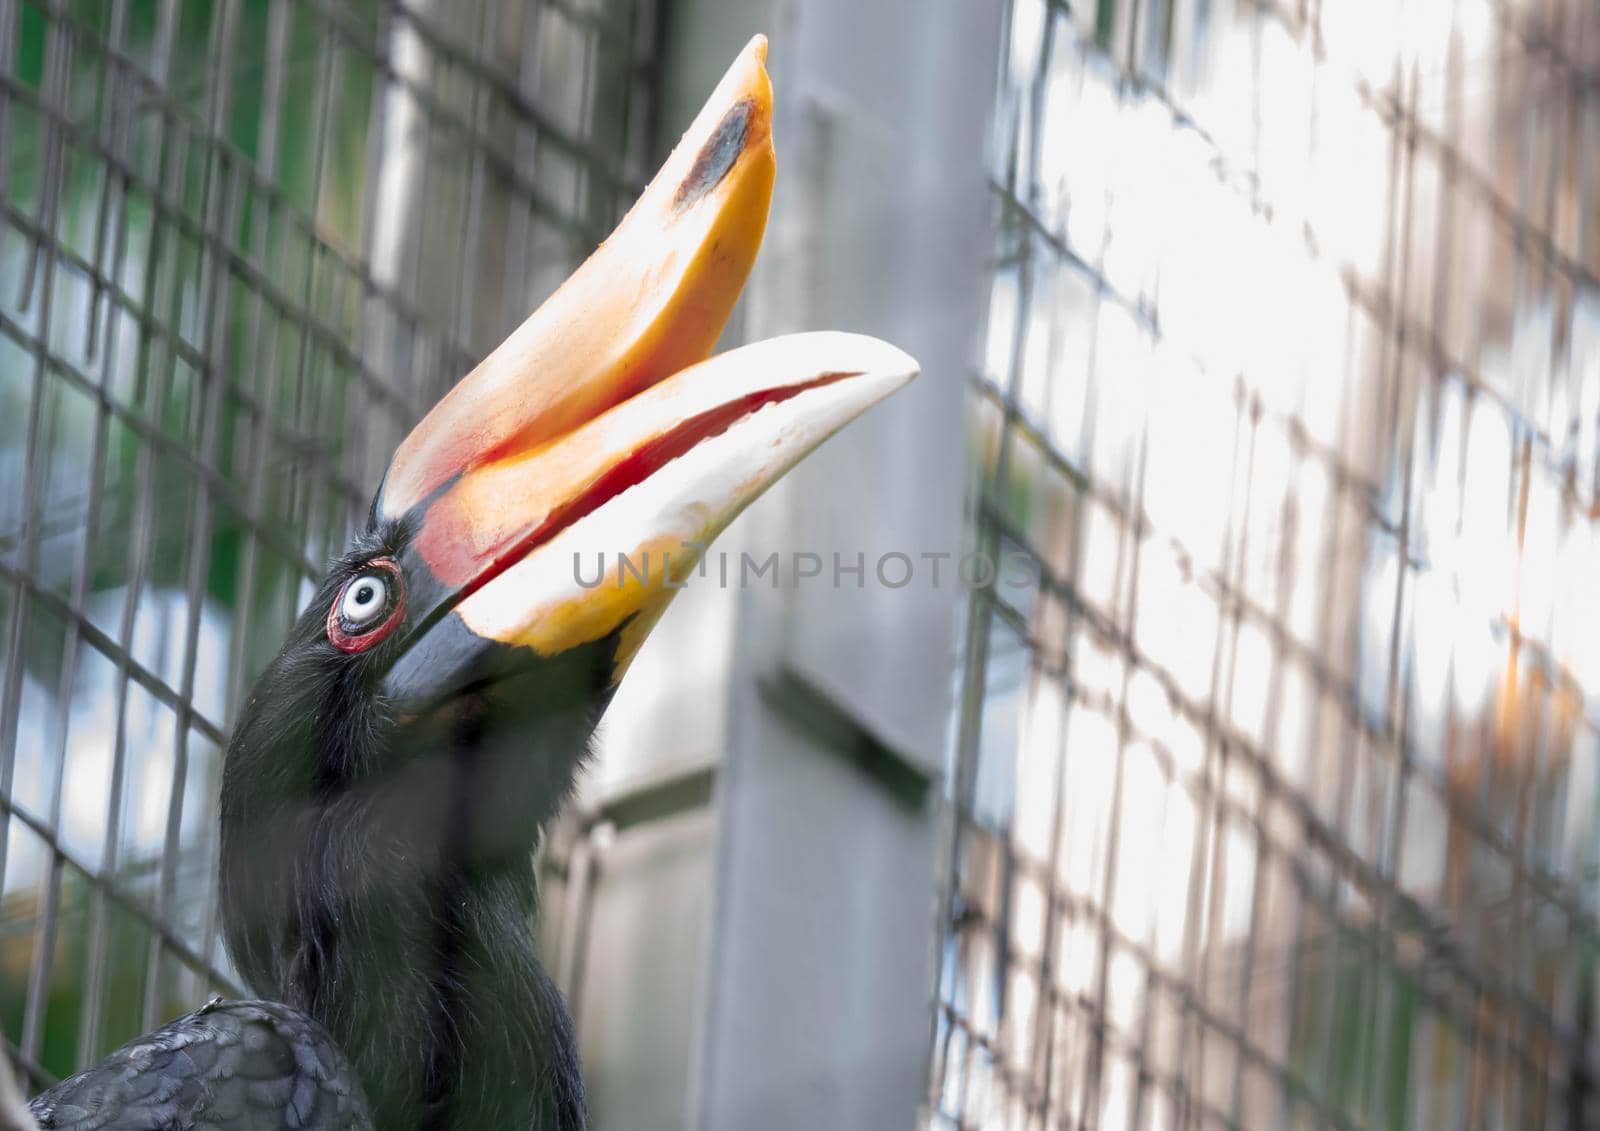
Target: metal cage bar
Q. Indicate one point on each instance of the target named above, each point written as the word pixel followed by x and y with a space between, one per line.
pixel 1275 791
pixel 220 307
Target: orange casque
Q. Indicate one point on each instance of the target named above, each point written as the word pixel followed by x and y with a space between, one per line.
pixel 651 301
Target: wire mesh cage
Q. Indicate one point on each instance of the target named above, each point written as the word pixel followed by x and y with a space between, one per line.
pixel 1275 797
pixel 242 246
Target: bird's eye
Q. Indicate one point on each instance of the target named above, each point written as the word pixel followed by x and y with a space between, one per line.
pixel 368 608
pixel 364 599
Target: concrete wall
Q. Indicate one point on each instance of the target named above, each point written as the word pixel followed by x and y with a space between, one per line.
pixel 818 980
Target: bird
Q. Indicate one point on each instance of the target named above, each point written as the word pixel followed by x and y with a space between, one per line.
pixel 393 769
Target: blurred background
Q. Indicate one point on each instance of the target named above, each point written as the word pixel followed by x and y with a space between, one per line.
pixel 1268 331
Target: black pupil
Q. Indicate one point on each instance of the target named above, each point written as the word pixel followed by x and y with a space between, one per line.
pixel 366 594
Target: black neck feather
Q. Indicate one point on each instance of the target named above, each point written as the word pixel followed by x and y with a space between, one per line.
pixel 384 883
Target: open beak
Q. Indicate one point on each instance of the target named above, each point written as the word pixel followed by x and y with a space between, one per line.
pixel 565 488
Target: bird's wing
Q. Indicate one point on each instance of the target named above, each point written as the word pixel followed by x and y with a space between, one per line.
pixel 228 1066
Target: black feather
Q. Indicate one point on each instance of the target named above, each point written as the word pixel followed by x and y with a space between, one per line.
pixel 240 1065
pixel 376 878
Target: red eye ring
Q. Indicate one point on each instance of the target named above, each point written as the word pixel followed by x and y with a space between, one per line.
pixel 358 638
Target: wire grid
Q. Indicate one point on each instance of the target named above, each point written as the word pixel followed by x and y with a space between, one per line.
pixel 242 246
pixel 1275 797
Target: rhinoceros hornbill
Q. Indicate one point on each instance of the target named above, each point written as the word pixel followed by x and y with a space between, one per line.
pixel 390 773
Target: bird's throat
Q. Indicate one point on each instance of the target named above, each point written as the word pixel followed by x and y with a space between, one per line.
pixel 377 873
pixel 415 949
pixel 444 1009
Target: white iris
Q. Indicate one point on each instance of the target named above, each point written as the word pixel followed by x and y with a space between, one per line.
pixel 365 598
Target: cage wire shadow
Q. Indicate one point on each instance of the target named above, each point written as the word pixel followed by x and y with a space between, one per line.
pixel 242 246
pixel 1274 799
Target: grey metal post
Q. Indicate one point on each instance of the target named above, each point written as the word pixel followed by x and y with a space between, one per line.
pixel 819 983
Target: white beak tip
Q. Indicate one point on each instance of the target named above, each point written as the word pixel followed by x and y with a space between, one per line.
pixel 830 351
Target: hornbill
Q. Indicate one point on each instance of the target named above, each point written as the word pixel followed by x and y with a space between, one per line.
pixel 390 773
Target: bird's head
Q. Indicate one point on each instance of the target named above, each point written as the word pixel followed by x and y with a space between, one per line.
pixel 471 621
